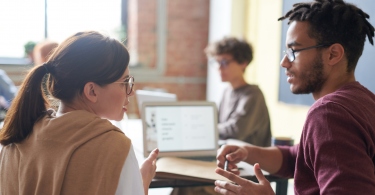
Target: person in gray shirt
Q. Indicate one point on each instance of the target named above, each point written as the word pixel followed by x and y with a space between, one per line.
pixel 243 113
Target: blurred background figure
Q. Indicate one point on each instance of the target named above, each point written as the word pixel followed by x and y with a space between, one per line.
pixel 7 90
pixel 243 113
pixel 42 51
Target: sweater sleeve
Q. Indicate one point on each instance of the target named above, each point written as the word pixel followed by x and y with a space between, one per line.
pixel 131 182
pixel 338 149
pixel 289 161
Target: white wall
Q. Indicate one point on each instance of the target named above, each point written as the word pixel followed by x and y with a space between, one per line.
pixel 220 26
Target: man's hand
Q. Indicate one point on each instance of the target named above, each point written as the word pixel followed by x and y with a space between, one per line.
pixel 148 169
pixel 244 186
pixel 234 154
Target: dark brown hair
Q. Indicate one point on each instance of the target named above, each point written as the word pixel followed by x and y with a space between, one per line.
pixel 241 51
pixel 81 58
pixel 334 21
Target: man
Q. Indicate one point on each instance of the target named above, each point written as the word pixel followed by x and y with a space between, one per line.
pixel 243 113
pixel 336 152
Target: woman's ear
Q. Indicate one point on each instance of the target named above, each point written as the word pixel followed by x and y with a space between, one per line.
pixel 90 91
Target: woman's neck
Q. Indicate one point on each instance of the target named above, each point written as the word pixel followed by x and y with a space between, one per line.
pixel 64 108
pixel 70 107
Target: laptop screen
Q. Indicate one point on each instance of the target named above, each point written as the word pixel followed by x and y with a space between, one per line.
pixel 173 128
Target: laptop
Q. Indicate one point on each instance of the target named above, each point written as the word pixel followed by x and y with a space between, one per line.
pixel 153 96
pixel 180 129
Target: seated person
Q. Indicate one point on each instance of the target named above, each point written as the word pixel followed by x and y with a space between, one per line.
pixel 75 150
pixel 336 151
pixel 243 113
pixel 43 50
pixel 7 90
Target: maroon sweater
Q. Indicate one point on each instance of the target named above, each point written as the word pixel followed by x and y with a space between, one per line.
pixel 336 153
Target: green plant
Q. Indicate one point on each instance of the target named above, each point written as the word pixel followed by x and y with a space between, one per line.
pixel 29 47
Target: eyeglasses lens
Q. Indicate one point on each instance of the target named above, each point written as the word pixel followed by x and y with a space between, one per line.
pixel 224 64
pixel 290 55
pixel 129 85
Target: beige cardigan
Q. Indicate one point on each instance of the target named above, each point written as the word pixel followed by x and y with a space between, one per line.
pixel 77 153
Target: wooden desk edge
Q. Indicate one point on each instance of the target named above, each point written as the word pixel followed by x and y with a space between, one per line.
pixel 161 182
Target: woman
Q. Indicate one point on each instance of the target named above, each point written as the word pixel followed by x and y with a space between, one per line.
pixel 74 151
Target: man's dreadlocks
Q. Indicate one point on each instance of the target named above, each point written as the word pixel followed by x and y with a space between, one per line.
pixel 334 21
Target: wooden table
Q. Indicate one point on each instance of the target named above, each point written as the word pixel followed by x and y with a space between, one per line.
pixel 133 129
pixel 281 183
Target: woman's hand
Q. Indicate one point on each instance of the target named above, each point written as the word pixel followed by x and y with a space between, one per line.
pixel 244 186
pixel 148 169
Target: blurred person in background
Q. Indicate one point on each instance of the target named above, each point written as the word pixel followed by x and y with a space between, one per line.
pixel 7 90
pixel 42 51
pixel 243 113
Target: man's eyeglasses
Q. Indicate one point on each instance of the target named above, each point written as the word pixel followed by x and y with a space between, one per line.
pixel 290 52
pixel 129 83
pixel 222 63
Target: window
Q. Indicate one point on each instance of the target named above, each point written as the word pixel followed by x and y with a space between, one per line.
pixel 22 21
pixel 71 16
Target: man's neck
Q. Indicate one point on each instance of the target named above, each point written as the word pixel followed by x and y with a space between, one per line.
pixel 333 83
pixel 237 83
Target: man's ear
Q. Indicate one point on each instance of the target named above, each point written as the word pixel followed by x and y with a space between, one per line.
pixel 336 54
pixel 90 92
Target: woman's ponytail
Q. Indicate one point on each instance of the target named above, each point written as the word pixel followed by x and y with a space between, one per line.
pixel 26 108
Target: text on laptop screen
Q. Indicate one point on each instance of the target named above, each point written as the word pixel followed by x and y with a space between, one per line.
pixel 180 128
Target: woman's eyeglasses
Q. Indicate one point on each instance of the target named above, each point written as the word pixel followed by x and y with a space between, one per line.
pixel 129 83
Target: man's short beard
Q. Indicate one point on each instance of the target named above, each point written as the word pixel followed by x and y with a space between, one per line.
pixel 313 78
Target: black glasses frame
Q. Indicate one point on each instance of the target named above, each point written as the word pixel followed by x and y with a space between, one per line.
pixel 290 52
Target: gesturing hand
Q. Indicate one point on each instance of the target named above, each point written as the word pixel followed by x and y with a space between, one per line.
pixel 244 186
pixel 148 169
pixel 234 154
